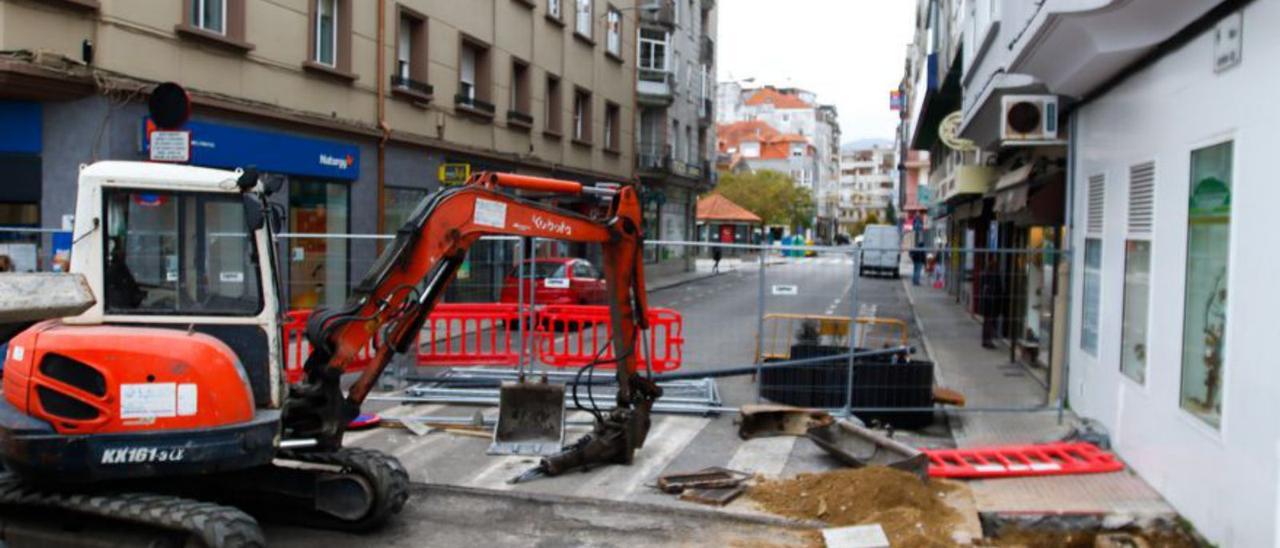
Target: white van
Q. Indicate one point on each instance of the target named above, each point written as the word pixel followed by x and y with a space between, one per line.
pixel 881 250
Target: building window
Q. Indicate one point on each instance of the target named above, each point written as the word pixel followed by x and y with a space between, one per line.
pixel 520 107
pixel 326 46
pixel 582 23
pixel 553 9
pixel 612 126
pixel 1137 272
pixel 467 72
pixel 613 39
pixel 1137 297
pixel 216 22
pixel 411 54
pixel 1091 312
pixel 210 15
pixel 473 76
pixel 519 86
pixel 582 116
pixel 691 146
pixel 652 50
pixel 555 106
pixel 1204 323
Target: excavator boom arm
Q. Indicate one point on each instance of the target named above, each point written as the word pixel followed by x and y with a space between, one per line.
pixel 409 277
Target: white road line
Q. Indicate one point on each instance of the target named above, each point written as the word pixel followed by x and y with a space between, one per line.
pixel 500 469
pixel 766 456
pixel 665 442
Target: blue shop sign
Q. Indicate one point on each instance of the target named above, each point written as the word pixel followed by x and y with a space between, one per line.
pixel 217 145
pixel 20 127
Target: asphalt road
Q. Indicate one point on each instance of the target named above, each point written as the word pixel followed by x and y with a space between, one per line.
pixel 720 322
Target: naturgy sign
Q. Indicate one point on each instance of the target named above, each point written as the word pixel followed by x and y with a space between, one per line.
pixel 230 147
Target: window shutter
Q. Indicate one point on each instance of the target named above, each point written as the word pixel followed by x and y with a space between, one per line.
pixel 1097 192
pixel 1142 189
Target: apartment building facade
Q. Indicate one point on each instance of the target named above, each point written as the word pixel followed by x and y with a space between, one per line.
pixel 793 111
pixel 867 185
pixel 675 133
pixel 363 107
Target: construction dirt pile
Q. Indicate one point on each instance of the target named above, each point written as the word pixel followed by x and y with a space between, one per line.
pixel 911 512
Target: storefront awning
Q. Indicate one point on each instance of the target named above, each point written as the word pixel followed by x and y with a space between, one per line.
pixel 1011 190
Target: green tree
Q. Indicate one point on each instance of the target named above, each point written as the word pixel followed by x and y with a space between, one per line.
pixel 891 214
pixel 771 195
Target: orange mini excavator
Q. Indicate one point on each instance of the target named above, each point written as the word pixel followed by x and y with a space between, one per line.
pixel 164 404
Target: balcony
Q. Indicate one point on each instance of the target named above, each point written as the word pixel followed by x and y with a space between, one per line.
pixel 473 105
pixel 658 12
pixel 653 159
pixel 412 88
pixel 519 119
pixel 655 87
pixel 688 170
pixel 707 51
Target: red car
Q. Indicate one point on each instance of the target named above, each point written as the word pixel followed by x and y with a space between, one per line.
pixel 559 280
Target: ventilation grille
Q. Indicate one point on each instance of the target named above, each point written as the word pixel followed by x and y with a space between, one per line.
pixel 74 373
pixel 1097 192
pixel 64 406
pixel 1142 197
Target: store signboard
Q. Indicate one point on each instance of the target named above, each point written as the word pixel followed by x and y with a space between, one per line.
pixel 230 147
pixel 454 174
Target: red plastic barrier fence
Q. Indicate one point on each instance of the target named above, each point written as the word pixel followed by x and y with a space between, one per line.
pixel 471 334
pixel 464 334
pixel 1022 460
pixel 572 336
pixel 296 347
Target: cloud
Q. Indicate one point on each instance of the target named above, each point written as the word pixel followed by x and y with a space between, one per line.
pixel 849 52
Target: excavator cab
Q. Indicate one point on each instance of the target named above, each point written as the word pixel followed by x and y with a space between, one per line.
pixel 179 355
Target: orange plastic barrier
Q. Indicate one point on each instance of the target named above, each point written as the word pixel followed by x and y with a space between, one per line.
pixel 464 334
pixel 572 335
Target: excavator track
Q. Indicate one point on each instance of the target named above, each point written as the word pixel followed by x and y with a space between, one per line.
pixel 206 524
pixel 372 486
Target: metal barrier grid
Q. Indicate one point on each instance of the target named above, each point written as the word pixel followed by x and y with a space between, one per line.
pixel 959 273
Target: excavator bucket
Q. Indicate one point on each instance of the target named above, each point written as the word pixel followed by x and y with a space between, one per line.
pixel 530 419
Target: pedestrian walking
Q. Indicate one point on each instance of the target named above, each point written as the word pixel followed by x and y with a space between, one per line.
pixel 991 294
pixel 715 260
pixel 917 262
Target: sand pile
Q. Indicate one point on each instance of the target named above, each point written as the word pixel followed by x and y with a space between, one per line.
pixel 911 512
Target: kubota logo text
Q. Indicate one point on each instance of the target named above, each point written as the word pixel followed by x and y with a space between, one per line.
pixel 559 227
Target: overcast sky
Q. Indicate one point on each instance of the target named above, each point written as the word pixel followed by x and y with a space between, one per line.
pixel 849 52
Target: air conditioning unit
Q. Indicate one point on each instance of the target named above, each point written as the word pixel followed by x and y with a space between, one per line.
pixel 1028 119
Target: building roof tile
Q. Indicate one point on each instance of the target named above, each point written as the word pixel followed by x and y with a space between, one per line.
pixel 714 207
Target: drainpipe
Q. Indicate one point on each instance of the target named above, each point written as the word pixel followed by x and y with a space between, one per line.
pixel 382 114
